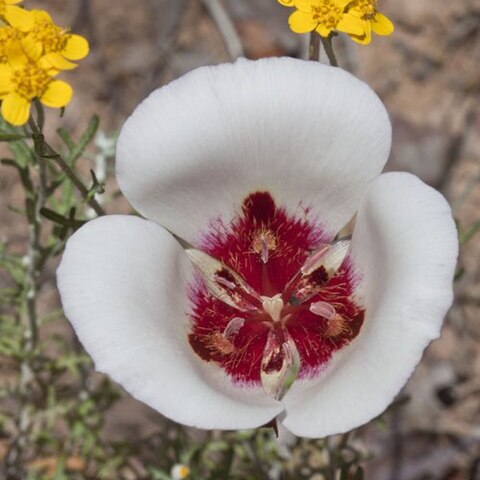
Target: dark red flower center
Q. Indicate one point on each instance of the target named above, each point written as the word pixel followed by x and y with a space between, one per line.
pixel 273 294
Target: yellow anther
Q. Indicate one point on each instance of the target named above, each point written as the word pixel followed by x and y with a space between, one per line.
pixel 329 14
pixel 6 36
pixel 263 243
pixel 52 37
pixel 367 7
pixel 31 81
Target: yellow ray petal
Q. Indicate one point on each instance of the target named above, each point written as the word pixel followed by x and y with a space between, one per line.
pixel 31 47
pixel 305 5
pixel 57 95
pixel 15 109
pixel 42 16
pixel 352 24
pixel 12 2
pixel 382 25
pixel 356 12
pixel 47 66
pixel 16 56
pixel 57 62
pixel 323 31
pixel 5 79
pixel 76 48
pixel 19 18
pixel 366 38
pixel 287 3
pixel 301 22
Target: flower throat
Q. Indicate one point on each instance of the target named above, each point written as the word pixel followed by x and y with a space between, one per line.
pixel 272 296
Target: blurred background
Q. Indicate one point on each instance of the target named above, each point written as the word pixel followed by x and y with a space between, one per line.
pixel 427 74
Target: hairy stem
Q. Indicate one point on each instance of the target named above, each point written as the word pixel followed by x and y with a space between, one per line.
pixel 45 151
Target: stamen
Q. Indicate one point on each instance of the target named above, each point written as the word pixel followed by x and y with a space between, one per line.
pixel 330 257
pixel 223 283
pixel 264 252
pixel 323 309
pixel 314 261
pixel 218 343
pixel 233 327
pixel 279 355
pixel 336 326
pixel 264 242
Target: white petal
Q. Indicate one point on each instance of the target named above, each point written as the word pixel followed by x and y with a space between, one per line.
pixel 308 133
pixel 123 283
pixel 405 245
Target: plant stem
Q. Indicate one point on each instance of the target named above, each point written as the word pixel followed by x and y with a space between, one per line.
pixel 24 421
pixel 332 460
pixel 328 46
pixel 225 27
pixel 314 51
pixel 76 181
pixel 45 151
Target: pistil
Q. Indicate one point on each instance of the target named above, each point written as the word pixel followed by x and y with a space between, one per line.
pixel 273 306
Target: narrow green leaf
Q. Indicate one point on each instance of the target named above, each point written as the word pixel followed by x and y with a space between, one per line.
pixel 11 137
pixel 97 187
pixel 24 173
pixel 53 216
pixel 359 474
pixel 90 131
pixel 471 231
pixel 22 152
pixel 67 138
pixel 85 139
pixel 459 274
pixel 344 472
pixel 70 222
pixel 158 474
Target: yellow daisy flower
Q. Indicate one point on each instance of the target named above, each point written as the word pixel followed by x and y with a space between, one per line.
pixel 179 472
pixel 324 16
pixel 372 19
pixel 55 44
pixel 22 80
pixel 15 16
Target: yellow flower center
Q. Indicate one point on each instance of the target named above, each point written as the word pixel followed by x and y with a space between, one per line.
pixel 327 13
pixel 6 36
pixel 184 471
pixel 31 81
pixel 52 37
pixel 368 8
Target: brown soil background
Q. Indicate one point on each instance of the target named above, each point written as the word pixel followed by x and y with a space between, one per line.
pixel 428 75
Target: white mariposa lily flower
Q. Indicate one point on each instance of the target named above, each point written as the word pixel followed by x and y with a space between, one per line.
pixel 258 165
